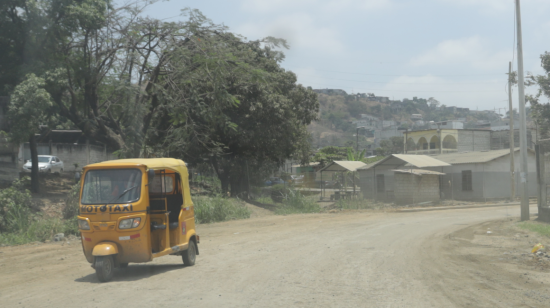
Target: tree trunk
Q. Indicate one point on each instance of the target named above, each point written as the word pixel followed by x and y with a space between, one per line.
pixel 35 186
pixel 224 179
pixel 238 179
pixel 222 174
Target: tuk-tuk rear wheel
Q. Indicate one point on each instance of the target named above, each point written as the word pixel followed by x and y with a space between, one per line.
pixel 104 268
pixel 190 254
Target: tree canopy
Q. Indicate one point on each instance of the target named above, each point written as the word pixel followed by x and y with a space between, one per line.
pixel 145 87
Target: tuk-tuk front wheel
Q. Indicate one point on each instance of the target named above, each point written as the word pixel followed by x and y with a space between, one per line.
pixel 104 268
pixel 190 254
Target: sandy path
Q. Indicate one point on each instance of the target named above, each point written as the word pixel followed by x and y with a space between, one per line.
pixel 350 259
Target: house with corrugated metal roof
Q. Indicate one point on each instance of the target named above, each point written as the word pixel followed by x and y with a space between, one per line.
pixel 484 175
pixel 378 180
pixel 480 175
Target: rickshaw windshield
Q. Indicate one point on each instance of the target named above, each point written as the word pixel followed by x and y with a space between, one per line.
pixel 111 186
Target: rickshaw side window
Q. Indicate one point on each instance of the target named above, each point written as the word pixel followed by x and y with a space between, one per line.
pixel 161 185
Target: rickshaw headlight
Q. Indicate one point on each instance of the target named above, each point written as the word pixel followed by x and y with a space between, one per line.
pixel 83 224
pixel 129 223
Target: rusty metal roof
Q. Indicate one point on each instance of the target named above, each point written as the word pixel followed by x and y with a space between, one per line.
pixel 398 160
pixel 473 157
pixel 418 171
pixel 344 165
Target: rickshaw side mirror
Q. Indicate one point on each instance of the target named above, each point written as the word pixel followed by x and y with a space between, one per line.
pixel 151 175
pixel 77 176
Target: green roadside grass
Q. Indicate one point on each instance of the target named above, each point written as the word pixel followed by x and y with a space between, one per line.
pixel 535 226
pixel 218 208
pixel 295 203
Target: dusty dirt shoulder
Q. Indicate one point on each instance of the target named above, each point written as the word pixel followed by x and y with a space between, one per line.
pixel 489 265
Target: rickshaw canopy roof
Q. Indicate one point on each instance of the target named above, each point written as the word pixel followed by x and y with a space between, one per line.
pixel 157 164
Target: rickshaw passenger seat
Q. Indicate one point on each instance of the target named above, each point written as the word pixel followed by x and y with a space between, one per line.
pixel 174 203
pixel 173 225
pixel 157 227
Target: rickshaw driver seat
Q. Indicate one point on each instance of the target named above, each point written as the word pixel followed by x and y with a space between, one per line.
pixel 171 225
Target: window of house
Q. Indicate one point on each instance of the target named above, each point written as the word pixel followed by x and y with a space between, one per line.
pixel 380 183
pixel 467 180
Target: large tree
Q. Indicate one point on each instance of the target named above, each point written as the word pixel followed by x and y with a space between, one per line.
pixel 540 110
pixel 248 114
pixel 191 89
pixel 27 110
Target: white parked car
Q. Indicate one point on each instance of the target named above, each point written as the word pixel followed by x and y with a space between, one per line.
pixel 46 163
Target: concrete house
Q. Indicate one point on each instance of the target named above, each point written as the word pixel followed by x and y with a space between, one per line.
pixel 384 180
pixel 443 141
pixel 476 176
pixel 483 175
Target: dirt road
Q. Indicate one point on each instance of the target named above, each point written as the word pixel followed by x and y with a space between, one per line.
pixel 351 259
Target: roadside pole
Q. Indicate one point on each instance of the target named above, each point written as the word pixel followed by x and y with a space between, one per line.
pixel 511 135
pixel 522 124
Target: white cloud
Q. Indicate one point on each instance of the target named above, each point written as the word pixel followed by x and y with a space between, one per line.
pixel 498 5
pixel 487 4
pixel 299 30
pixel 268 6
pixel 473 51
pixel 330 6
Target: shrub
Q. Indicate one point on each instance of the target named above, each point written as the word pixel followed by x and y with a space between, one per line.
pixel 18 223
pixel 278 192
pixel 214 209
pixel 72 202
pixel 295 202
pixel 265 200
pixel 15 207
pixel 40 229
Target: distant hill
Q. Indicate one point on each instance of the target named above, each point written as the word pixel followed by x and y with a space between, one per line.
pixel 339 109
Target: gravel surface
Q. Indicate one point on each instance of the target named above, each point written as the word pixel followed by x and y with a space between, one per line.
pixel 344 259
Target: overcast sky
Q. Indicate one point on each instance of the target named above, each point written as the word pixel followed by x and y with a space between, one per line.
pixel 454 50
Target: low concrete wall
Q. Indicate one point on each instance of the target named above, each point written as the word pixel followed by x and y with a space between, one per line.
pixel 82 154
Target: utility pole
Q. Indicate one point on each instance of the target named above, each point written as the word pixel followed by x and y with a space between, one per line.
pixel 522 125
pixel 511 134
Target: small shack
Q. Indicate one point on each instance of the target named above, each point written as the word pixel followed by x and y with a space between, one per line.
pixel 342 166
pixel 416 186
pixel 378 179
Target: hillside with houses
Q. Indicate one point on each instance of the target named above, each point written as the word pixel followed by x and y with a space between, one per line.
pixel 375 119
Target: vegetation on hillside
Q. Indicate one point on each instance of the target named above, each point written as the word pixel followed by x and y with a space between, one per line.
pixel 335 126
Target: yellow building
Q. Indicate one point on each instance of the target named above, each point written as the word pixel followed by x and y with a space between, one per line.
pixel 443 141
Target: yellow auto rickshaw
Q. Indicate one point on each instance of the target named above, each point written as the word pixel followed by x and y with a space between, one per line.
pixel 134 210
